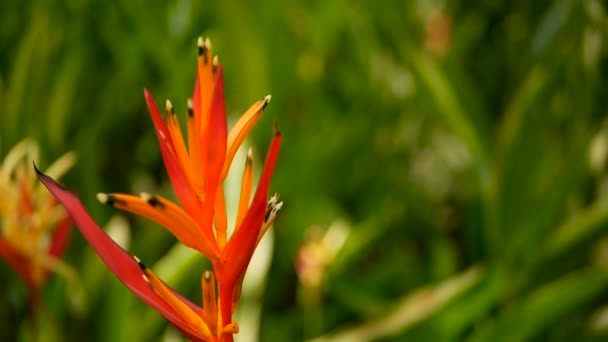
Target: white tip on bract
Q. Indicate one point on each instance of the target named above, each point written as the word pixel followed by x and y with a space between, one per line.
pixel 145 196
pixel 103 198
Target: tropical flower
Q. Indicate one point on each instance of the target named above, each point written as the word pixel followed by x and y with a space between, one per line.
pixel 197 173
pixel 34 229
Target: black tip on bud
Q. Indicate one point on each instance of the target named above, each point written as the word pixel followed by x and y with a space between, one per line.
pixel 151 200
pixel 201 46
pixel 190 109
pixel 249 160
pixel 140 264
pixel 266 101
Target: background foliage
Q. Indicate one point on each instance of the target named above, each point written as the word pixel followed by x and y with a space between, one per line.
pixel 443 171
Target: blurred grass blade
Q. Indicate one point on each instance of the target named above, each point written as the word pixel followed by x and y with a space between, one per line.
pixel 448 103
pixel 457 318
pixel 550 26
pixel 545 306
pixel 567 175
pixel 61 98
pixel 16 87
pixel 518 148
pixel 410 310
pixel 517 110
pixel 579 230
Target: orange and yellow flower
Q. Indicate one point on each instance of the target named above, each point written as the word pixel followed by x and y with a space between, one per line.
pixel 197 169
pixel 34 229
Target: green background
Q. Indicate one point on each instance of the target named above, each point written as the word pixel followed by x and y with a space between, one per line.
pixel 460 144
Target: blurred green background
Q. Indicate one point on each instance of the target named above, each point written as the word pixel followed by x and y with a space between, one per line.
pixel 443 167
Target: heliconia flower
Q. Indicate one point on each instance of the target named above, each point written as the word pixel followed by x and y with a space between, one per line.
pixel 197 173
pixel 34 229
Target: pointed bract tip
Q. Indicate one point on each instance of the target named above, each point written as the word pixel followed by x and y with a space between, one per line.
pixel 169 107
pixel 201 46
pixel 272 208
pixel 190 109
pixel 46 179
pixel 145 196
pixel 36 168
pixel 232 328
pixel 215 65
pixel 147 93
pixel 103 198
pixel 266 101
pixel 207 43
pixel 207 275
pixel 249 156
pixel 277 132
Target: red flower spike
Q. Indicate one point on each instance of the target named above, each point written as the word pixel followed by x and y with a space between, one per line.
pixel 35 229
pixel 126 268
pixel 196 174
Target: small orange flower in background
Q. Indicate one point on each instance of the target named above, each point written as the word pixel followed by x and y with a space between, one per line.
pixel 34 228
pixel 197 169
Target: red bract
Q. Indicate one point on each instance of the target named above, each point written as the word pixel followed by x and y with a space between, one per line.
pixel 197 173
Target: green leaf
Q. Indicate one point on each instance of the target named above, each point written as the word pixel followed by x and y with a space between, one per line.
pixel 409 310
pixel 544 307
pixel 581 229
